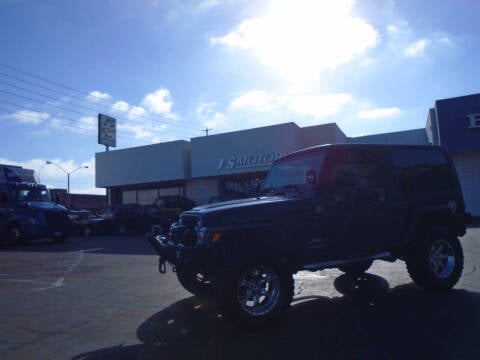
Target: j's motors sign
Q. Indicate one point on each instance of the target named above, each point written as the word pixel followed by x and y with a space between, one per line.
pixel 245 161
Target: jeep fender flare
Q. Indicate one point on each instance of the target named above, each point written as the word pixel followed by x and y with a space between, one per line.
pixel 439 219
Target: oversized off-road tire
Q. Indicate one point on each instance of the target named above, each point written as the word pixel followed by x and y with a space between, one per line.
pixel 254 295
pixel 436 262
pixel 356 268
pixel 195 282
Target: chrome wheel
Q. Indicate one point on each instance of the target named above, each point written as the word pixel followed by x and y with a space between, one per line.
pixel 442 259
pixel 258 290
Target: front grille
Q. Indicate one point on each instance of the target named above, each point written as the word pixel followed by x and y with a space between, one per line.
pixel 181 234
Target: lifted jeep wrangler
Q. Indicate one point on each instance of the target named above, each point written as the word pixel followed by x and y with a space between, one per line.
pixel 333 206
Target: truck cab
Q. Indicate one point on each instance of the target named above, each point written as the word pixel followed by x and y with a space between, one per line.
pixel 27 212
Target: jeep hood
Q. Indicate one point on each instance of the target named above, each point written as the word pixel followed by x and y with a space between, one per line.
pixel 252 210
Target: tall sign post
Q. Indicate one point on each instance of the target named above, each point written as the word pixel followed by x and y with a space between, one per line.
pixel 107 135
pixel 107 131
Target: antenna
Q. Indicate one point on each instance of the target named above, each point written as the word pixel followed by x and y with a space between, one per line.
pixel 206 131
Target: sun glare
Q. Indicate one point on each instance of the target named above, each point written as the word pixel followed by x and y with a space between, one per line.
pixel 300 38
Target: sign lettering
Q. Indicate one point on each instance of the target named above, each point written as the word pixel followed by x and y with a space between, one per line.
pixel 474 120
pixel 236 162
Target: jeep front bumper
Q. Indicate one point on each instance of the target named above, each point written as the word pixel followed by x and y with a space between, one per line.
pixel 177 254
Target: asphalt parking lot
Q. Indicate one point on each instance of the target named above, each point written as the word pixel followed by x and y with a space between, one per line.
pixel 103 298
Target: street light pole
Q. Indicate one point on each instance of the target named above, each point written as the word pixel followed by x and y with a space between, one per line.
pixel 68 175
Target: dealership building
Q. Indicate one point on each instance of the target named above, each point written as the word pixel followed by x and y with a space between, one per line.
pixel 228 165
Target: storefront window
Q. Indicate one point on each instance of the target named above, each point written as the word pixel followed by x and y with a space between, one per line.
pixel 169 191
pixel 129 197
pixel 147 196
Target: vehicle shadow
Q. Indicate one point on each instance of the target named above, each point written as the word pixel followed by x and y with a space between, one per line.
pixel 369 320
pixel 112 244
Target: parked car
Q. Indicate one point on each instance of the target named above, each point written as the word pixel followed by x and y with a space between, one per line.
pixel 165 211
pixel 334 206
pixel 145 219
pixel 125 219
pixel 86 223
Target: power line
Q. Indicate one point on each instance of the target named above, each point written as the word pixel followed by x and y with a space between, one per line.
pixel 158 132
pixel 41 86
pixel 75 90
pixel 90 130
pixel 68 109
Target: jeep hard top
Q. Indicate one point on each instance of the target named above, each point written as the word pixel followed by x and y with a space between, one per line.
pixel 332 206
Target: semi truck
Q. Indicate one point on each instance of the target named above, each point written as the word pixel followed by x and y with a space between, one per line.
pixel 27 211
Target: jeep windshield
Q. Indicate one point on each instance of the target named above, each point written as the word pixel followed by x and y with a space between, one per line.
pixel 294 174
pixel 26 192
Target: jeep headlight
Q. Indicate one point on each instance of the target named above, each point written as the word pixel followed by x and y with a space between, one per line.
pixel 200 231
pixel 203 233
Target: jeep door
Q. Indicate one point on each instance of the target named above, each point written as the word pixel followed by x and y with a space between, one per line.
pixel 356 210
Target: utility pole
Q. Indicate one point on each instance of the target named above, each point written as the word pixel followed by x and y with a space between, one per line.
pixel 206 131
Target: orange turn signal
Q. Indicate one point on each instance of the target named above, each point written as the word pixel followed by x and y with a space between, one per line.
pixel 216 236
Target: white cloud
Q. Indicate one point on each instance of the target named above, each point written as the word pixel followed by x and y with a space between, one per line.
pixel 211 118
pixel 417 48
pixel 392 29
pixel 136 112
pixel 256 100
pixel 301 38
pixel 120 107
pixel 158 102
pixel 95 96
pixel 318 105
pixel 139 132
pixel 208 3
pixel 28 116
pixel 88 123
pixel 446 41
pixel 379 113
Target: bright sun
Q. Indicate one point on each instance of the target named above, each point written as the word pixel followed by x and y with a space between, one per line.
pixel 300 38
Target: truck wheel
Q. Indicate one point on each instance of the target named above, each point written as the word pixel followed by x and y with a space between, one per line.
pixel 436 263
pixel 356 268
pixel 15 235
pixel 256 295
pixel 194 282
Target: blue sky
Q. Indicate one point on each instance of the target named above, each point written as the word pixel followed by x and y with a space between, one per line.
pixel 166 69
